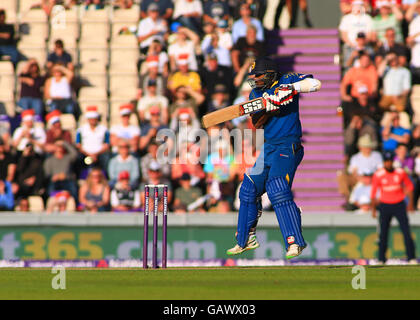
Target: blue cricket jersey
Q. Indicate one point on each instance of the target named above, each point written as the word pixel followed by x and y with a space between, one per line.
pixel 284 126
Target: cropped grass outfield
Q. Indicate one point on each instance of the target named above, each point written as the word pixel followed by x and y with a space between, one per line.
pixel 240 283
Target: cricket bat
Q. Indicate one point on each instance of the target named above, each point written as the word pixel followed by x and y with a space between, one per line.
pixel 232 112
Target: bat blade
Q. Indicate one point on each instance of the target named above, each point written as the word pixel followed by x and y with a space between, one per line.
pixel 232 112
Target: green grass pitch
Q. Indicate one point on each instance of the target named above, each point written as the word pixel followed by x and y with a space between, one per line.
pixel 236 283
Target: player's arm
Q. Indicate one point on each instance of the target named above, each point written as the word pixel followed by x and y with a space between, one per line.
pixel 373 193
pixel 408 190
pixel 307 85
pixel 286 92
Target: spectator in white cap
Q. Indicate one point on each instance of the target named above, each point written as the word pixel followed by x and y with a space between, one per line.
pixel 92 140
pixel 125 130
pixel 367 159
pixel 151 28
pixel 352 23
pixel 29 133
pixel 360 195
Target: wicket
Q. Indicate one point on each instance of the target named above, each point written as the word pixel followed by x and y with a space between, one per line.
pixel 147 190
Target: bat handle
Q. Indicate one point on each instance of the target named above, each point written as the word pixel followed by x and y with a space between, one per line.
pixel 264 102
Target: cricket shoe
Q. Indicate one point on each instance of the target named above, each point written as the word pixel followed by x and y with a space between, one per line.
pixel 294 251
pixel 250 245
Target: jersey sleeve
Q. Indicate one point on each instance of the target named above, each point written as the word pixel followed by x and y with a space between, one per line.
pixel 293 77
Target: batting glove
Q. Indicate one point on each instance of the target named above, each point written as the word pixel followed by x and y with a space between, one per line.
pixel 282 98
pixel 272 102
pixel 286 93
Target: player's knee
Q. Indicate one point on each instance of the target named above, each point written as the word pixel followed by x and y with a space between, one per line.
pixel 248 191
pixel 278 190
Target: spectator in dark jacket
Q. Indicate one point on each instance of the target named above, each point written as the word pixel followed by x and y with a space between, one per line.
pixel 29 173
pixel 31 85
pixel 59 56
pixel 7 39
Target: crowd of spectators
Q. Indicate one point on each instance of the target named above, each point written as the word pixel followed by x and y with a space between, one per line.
pixel 194 56
pixel 381 68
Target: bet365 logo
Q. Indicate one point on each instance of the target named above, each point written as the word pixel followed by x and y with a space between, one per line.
pixel 252 106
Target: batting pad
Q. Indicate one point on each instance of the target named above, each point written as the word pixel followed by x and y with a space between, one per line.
pixel 288 214
pixel 248 210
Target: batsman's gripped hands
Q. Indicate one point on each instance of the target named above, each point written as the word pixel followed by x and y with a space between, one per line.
pixel 283 97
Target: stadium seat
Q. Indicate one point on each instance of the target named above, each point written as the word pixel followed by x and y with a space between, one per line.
pixel 92 94
pixel 127 93
pixel 124 41
pixel 11 17
pixel 117 26
pixel 8 107
pixel 7 87
pixel 93 67
pixel 33 15
pixel 97 55
pixel 101 15
pixel 69 34
pixel 119 82
pixel 36 204
pixel 35 33
pixel 68 122
pixel 6 68
pixel 94 80
pixel 131 15
pixel 40 54
pixel 124 60
pixel 94 34
pixel 25 5
pixel 10 6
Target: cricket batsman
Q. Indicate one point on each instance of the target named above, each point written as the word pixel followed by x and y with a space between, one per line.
pixel 275 168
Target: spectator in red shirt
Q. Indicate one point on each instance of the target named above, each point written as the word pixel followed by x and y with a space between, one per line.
pixel 394 185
